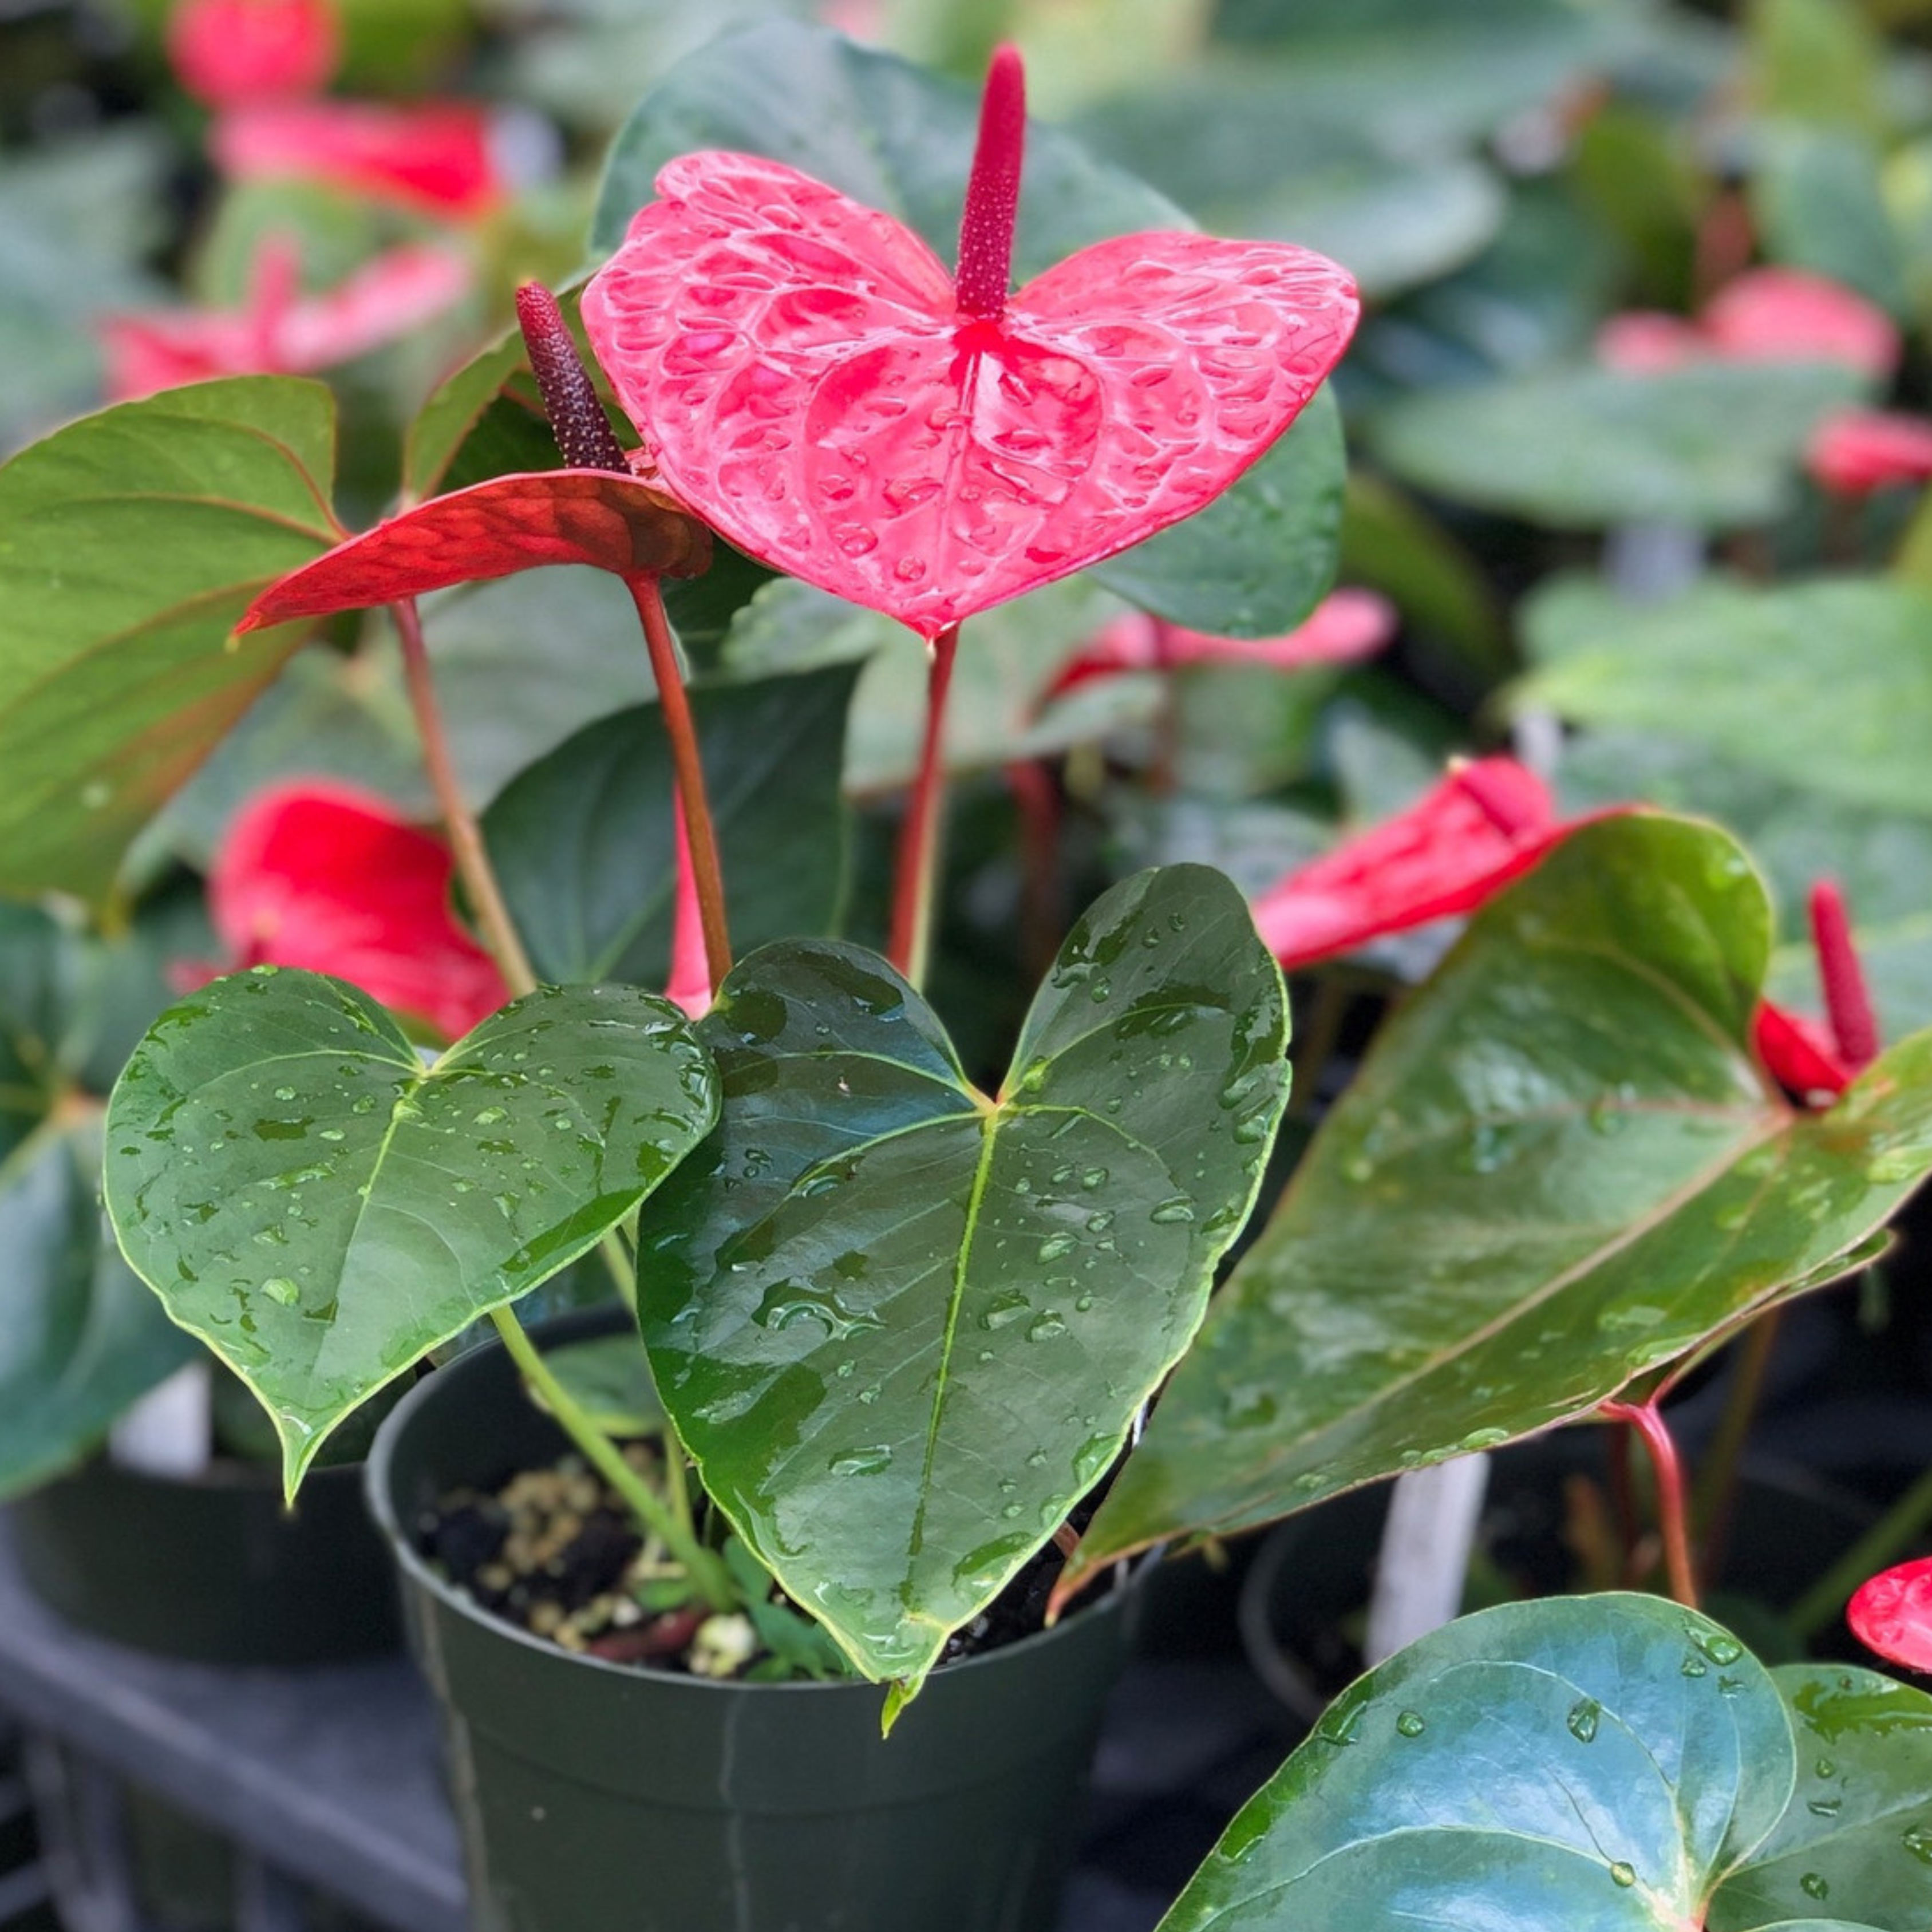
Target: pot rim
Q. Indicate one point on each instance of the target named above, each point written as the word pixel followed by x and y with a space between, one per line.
pixel 1107 1598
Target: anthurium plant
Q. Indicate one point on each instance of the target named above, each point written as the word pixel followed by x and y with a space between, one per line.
pixel 920 1306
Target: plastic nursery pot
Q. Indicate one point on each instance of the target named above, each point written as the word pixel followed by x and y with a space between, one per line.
pixel 212 1568
pixel 593 1795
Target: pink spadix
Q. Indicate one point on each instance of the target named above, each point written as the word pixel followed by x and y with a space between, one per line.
pixel 815 385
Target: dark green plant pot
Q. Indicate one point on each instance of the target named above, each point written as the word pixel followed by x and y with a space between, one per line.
pixel 212 1569
pixel 594 1796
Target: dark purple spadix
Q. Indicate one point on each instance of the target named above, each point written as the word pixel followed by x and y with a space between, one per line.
pixel 993 191
pixel 576 418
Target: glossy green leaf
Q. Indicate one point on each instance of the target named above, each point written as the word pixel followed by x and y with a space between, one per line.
pixel 323 1209
pixel 1558 1167
pixel 455 415
pixel 1259 558
pixel 1758 675
pixel 584 848
pixel 609 1377
pixel 889 134
pixel 1600 1764
pixel 903 1326
pixel 1883 860
pixel 130 542
pixel 1414 72
pixel 1856 1838
pixel 80 1337
pixel 1245 151
pixel 1715 444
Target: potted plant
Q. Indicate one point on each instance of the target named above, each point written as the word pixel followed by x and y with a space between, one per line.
pixel 1589 1094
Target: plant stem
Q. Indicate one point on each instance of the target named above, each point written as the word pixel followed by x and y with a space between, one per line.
pixel 1673 1512
pixel 918 867
pixel 1717 1482
pixel 705 1570
pixel 705 870
pixel 673 1522
pixel 466 835
pixel 1878 1547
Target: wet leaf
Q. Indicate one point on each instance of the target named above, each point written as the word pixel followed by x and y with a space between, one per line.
pixel 903 1326
pixel 1558 1167
pixel 1608 1762
pixel 1857 1836
pixel 582 841
pixel 80 1337
pixel 117 683
pixel 322 1210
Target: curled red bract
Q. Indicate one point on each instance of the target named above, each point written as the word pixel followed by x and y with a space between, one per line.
pixel 520 521
pixel 278 331
pixel 1892 1613
pixel 1485 824
pixel 326 876
pixel 1345 627
pixel 432 156
pixel 1856 451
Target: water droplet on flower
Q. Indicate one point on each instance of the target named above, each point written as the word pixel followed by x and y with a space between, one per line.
pixel 280 1288
pixel 866 1462
pixel 1814 1886
pixel 1623 1874
pixel 1583 1720
pixel 1411 1724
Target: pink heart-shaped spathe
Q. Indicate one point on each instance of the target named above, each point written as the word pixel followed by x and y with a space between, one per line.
pixel 800 368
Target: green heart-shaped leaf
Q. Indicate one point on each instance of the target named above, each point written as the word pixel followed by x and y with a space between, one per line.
pixel 903 1327
pixel 1559 1168
pixel 1857 1836
pixel 80 1338
pixel 133 541
pixel 1602 1764
pixel 583 841
pixel 323 1209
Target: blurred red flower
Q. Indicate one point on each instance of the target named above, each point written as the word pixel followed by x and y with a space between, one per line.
pixel 226 53
pixel 326 876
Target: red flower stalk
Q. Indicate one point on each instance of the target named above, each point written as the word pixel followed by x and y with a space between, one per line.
pixel 1764 315
pixel 434 157
pixel 278 331
pixel 813 383
pixel 226 53
pixel 1345 627
pixel 1892 1613
pixel 1856 451
pixel 324 876
pixel 1485 824
pixel 689 985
